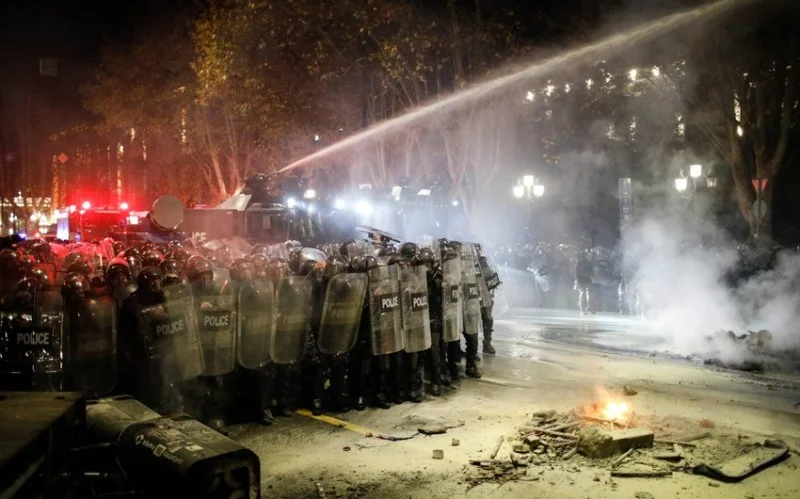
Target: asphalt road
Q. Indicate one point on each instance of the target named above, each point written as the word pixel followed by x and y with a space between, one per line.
pixel 546 360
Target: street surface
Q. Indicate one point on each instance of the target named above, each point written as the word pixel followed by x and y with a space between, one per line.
pixel 546 360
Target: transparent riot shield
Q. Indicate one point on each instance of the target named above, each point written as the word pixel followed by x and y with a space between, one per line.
pixel 91 337
pixel 32 344
pixel 414 304
pixel 341 313
pixel 294 305
pixel 171 338
pixel 386 320
pixel 255 307
pixel 452 304
pixel 472 299
pixel 216 324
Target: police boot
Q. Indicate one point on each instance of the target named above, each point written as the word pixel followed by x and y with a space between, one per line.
pixel 398 378
pixel 266 384
pixel 339 399
pixel 453 357
pixel 412 378
pixel 318 390
pixel 381 400
pixel 472 354
pixel 360 384
pixel 487 342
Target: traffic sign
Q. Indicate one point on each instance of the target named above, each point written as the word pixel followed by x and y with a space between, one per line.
pixel 62 158
pixel 759 209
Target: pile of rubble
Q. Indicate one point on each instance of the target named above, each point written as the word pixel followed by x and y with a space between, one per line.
pixel 575 440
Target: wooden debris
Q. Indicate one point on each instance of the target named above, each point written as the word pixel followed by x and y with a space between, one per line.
pixel 675 442
pixel 570 453
pixel 640 474
pixel 698 436
pixel 496 447
pixel 668 456
pixel 568 436
pixel 621 458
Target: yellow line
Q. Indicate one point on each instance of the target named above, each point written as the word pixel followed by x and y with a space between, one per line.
pixel 337 422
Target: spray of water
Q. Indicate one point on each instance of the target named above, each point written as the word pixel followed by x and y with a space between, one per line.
pixel 491 88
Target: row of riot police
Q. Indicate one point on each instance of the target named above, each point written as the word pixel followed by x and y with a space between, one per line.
pixel 226 332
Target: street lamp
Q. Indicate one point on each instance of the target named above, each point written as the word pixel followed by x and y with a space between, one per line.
pixel 689 184
pixel 528 188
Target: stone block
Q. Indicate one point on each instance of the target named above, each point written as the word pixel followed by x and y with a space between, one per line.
pixel 594 442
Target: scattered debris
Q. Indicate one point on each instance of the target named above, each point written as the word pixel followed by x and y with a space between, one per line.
pixel 629 391
pixel 643 495
pixel 580 439
pixel 438 454
pixel 433 429
pixel 346 449
pixel 705 423
pixel 756 458
pixel 455 442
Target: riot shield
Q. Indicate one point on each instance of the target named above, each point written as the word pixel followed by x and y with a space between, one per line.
pixel 172 343
pixel 386 320
pixel 32 344
pixel 452 304
pixel 472 303
pixel 294 305
pixel 414 304
pixel 216 323
pixel 91 336
pixel 255 321
pixel 341 313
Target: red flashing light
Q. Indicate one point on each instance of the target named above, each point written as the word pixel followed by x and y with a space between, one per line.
pixel 123 206
pixel 73 209
pixel 86 205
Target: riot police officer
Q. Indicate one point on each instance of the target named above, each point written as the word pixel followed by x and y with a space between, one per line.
pixel 583 282
pixel 434 283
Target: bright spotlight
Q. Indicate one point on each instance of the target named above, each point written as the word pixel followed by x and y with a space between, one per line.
pixel 311 209
pixel 73 208
pixel 455 202
pixel 528 180
pixel 123 206
pixel 291 202
pixel 538 190
pixel 310 194
pixel 681 184
pixel 363 208
pixel 695 170
pixel 396 192
pixel 86 205
pixel 519 191
pixel 339 204
pixel 424 192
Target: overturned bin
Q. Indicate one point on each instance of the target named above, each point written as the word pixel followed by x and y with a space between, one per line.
pixel 177 456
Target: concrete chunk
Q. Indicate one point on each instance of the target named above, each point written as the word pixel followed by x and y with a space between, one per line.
pixel 598 443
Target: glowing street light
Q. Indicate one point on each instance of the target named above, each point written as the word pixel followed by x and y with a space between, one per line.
pixel 695 170
pixel 538 190
pixel 528 181
pixel 528 188
pixel 310 194
pixel 86 205
pixel 123 206
pixel 519 191
pixel 681 184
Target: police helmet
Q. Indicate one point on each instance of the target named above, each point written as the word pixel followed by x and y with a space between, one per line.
pixel 152 258
pixel 336 265
pixel 76 286
pixel 243 270
pixel 408 250
pixel 199 268
pixel 150 279
pixel 424 256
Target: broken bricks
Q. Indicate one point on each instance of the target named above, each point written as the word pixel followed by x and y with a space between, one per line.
pixel 438 454
pixel 598 443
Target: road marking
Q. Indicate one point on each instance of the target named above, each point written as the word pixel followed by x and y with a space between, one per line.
pixel 337 422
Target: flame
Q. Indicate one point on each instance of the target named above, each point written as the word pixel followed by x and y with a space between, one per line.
pixel 614 411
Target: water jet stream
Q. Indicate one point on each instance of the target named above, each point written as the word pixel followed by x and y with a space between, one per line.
pixel 638 34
